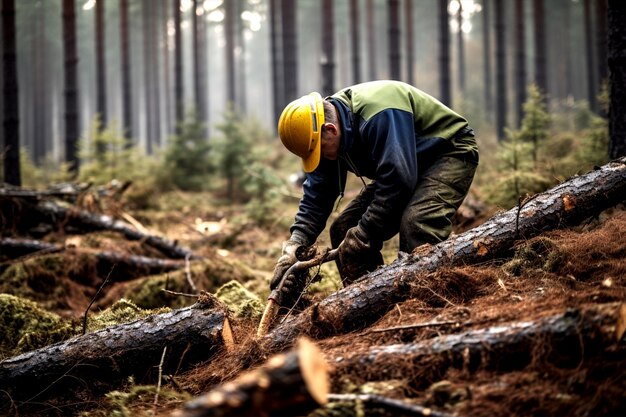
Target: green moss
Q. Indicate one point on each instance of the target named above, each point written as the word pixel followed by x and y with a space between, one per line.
pixel 208 275
pixel 26 326
pixel 123 311
pixel 120 403
pixel 241 301
pixel 539 254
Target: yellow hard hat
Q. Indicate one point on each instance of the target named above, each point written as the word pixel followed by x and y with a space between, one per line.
pixel 300 127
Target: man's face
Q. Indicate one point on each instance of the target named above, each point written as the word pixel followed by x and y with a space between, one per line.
pixel 331 138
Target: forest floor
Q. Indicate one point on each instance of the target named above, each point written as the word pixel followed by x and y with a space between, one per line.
pixel 561 273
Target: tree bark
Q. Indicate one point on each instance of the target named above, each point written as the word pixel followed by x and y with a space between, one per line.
pixel 10 122
pixel 178 68
pixel 563 340
pixel 520 61
pixel 327 30
pixel 293 383
pixel 124 267
pixel 487 60
pixel 97 361
pixel 592 90
pixel 24 215
pixel 541 73
pixel 362 303
pixel 617 78
pixel 501 89
pixel 70 65
pixel 393 41
pixel 410 48
pixel 355 40
pixel 101 94
pixel 445 95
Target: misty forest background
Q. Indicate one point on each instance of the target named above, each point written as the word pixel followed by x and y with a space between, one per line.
pixel 186 94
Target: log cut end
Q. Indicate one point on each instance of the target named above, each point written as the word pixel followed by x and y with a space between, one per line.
pixel 291 383
pixel 314 370
pixel 227 335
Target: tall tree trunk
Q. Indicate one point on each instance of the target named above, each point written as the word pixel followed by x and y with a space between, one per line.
pixel 127 112
pixel 101 98
pixel 541 72
pixel 71 85
pixel 167 85
pixel 290 49
pixel 487 81
pixel 444 54
pixel 371 40
pixel 410 48
pixel 520 60
pixel 592 89
pixel 148 17
pixel 355 41
pixel 154 76
pixel 11 149
pixel 229 34
pixel 393 8
pixel 178 68
pixel 277 62
pixel 240 60
pixel 617 78
pixel 328 48
pixel 40 91
pixel 500 32
pixel 601 40
pixel 198 67
pixel 461 49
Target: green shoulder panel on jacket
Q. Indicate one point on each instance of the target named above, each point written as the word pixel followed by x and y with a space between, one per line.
pixel 432 118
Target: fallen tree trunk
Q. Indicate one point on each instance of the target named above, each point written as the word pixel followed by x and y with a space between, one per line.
pixel 100 360
pixel 293 383
pixel 563 340
pixel 123 267
pixel 26 216
pixel 362 303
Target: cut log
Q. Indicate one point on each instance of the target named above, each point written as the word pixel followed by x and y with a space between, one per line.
pixel 562 340
pixel 362 303
pixel 293 383
pixel 100 360
pixel 123 267
pixel 24 215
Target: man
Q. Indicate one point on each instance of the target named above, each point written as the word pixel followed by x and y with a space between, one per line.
pixel 420 154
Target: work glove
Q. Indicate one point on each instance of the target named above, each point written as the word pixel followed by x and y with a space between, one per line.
pixel 357 255
pixel 292 252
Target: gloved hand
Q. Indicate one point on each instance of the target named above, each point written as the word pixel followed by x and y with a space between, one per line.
pixel 293 285
pixel 357 255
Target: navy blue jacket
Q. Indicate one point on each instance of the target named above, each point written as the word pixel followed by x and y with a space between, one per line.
pixel 387 129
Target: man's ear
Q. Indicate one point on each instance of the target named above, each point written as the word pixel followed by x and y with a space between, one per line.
pixel 330 128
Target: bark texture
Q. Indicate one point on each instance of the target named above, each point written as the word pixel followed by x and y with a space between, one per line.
pixel 362 303
pixel 25 215
pixel 125 266
pixel 293 383
pixel 100 360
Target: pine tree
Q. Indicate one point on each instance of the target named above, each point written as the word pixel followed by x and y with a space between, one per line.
pixel 536 120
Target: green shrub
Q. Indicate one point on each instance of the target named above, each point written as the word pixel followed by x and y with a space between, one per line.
pixel 105 155
pixel 187 163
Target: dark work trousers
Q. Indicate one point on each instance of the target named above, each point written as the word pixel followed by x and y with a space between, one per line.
pixel 427 218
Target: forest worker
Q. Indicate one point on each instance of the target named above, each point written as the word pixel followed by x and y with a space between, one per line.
pixel 420 155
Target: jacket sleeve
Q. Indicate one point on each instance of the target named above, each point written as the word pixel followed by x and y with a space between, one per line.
pixel 321 189
pixel 391 136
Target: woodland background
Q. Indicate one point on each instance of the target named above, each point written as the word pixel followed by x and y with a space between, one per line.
pixel 140 161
